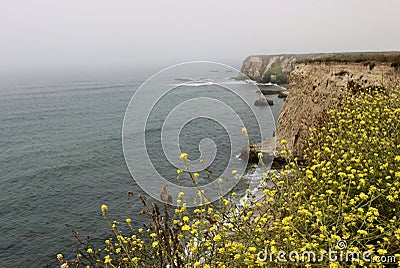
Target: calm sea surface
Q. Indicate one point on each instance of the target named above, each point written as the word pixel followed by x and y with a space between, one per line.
pixel 61 158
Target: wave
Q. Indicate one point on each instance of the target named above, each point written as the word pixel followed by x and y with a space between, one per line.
pixel 195 84
pixel 249 81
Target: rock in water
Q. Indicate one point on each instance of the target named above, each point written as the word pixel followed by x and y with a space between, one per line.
pixel 266 147
pixel 283 94
pixel 262 101
pixel 250 154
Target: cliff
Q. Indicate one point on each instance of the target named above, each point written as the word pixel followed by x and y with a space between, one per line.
pixel 272 68
pixel 316 83
pixel 277 68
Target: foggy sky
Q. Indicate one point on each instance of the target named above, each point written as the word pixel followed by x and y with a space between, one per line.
pixel 99 33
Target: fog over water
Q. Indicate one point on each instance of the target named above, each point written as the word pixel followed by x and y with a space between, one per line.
pixel 99 34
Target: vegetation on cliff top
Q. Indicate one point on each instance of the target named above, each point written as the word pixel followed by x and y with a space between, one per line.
pixel 345 199
pixel 388 57
pixel 357 57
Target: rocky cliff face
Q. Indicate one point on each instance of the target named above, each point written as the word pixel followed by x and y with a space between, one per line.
pixel 277 68
pixel 315 88
pixel 269 68
pixel 273 68
pixel 316 81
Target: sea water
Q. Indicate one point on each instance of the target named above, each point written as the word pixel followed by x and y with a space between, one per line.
pixel 61 158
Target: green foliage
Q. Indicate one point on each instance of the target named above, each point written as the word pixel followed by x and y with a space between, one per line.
pixel 276 70
pixel 387 57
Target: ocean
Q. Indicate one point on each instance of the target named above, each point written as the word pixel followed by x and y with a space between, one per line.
pixel 61 158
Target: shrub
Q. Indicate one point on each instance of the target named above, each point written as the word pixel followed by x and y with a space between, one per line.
pixel 345 198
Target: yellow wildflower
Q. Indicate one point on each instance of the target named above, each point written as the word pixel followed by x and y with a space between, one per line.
pixel 183 156
pixel 185 227
pixel 107 259
pixel 217 238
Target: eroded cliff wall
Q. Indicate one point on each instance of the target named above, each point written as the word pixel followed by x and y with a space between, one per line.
pixel 315 87
pixel 274 68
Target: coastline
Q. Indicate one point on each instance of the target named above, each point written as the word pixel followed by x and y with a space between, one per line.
pixel 315 83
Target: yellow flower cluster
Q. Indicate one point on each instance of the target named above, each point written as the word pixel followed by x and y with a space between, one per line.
pixel 347 189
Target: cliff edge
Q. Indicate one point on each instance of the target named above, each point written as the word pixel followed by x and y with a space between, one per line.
pixel 317 81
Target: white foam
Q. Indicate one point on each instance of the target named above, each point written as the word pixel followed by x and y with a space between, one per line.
pixel 195 84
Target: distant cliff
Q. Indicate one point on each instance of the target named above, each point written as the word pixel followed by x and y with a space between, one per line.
pixel 272 68
pixel 316 83
pixel 264 69
pixel 277 68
